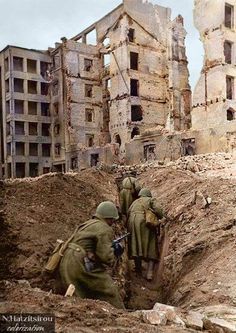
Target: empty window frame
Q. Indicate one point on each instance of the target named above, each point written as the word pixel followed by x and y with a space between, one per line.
pixel 45 109
pixel 31 66
pixel 88 64
pixel 45 129
pixel 118 139
pixel 8 128
pixel 135 132
pixel 33 129
pixel 18 64
pixel 88 90
pixel 44 88
pixel 131 35
pixel 90 140
pixel 33 169
pixel 7 85
pixel 136 113
pixel 57 149
pixel 56 61
pixel 230 114
pixel 20 148
pixel 32 87
pixel 46 150
pixel 228 47
pixel 106 60
pixel 9 149
pixel 57 129
pixel 229 16
pixel 55 88
pixel 229 87
pixel 18 85
pixel 32 108
pixel 94 159
pixel 44 68
pixel 91 37
pixel 134 60
pixel 6 64
pixel 134 87
pixel 20 170
pixel 19 106
pixel 89 115
pixel 19 128
pixel 33 149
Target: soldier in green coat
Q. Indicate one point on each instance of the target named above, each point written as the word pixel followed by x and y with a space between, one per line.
pixel 129 193
pixel 84 261
pixel 143 242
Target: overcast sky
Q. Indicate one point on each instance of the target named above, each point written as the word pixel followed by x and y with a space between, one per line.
pixel 39 23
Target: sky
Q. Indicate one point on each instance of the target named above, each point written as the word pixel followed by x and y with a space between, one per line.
pixel 38 24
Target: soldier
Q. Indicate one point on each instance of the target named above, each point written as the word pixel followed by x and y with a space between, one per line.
pixel 129 193
pixel 143 240
pixel 89 251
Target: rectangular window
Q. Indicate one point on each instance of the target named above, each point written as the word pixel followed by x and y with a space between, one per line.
pixel 33 129
pixel 18 64
pixel 88 90
pixel 44 88
pixel 19 106
pixel 134 61
pixel 31 66
pixel 229 87
pixel 228 52
pixel 9 149
pixel 131 35
pixel 45 129
pixel 44 68
pixel 33 149
pixel 229 16
pixel 134 85
pixel 89 115
pixel 94 160
pixel 19 85
pixel 6 64
pixel 8 128
pixel 33 169
pixel 88 63
pixel 136 113
pixel 7 86
pixel 20 148
pixel 32 108
pixel 19 128
pixel 46 150
pixel 32 87
pixel 57 149
pixel 20 170
pixel 45 109
pixel 89 140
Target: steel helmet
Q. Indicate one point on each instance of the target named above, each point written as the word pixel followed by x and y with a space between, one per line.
pixel 107 210
pixel 144 192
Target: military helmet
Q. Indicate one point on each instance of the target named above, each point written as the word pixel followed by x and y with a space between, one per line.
pixel 144 192
pixel 107 210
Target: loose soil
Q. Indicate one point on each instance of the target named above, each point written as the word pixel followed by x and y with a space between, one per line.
pixel 197 265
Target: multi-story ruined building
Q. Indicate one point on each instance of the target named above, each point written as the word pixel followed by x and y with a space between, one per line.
pixel 132 80
pixel 25 115
pixel 118 82
pixel 214 99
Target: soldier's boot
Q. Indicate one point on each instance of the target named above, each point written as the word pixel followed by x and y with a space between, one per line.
pixel 150 270
pixel 138 265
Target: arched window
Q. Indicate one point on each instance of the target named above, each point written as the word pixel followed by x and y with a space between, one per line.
pixel 230 114
pixel 118 139
pixel 134 132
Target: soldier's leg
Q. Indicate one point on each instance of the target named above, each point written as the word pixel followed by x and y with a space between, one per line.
pixel 150 269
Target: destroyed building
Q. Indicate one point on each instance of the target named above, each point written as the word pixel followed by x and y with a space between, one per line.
pixel 214 99
pixel 25 112
pixel 118 82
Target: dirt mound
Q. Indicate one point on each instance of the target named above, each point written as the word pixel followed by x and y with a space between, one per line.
pixel 39 211
pixel 198 263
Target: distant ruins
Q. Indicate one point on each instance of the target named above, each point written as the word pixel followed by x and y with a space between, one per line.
pixel 118 92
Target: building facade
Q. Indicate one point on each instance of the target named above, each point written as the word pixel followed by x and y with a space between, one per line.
pixel 214 97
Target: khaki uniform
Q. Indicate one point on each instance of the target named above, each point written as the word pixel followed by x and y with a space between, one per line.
pixel 128 194
pixel 143 240
pixel 94 239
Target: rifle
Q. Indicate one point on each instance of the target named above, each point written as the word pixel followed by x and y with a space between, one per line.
pixel 119 239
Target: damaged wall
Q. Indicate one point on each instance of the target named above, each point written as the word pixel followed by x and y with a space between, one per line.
pixel 214 102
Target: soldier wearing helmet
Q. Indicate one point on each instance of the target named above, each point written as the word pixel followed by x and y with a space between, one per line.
pixel 129 193
pixel 143 243
pixel 87 255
